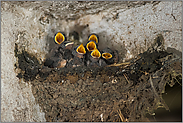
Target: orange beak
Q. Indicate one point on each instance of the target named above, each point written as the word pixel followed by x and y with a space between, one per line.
pixel 106 56
pixel 91 46
pixel 93 37
pixel 59 38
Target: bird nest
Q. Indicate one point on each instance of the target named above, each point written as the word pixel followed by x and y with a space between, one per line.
pixel 117 92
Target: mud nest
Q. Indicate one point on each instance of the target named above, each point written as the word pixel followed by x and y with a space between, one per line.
pixel 119 92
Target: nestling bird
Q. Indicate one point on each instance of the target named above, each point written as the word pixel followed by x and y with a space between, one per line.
pixel 65 47
pixel 94 58
pixel 55 56
pixel 110 56
pixel 61 40
pixel 79 53
pixel 90 46
pixel 61 53
pixel 64 55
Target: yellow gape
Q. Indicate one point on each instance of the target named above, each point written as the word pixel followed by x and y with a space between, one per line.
pixel 59 38
pixel 81 49
pixel 106 55
pixel 93 37
pixel 96 54
pixel 91 46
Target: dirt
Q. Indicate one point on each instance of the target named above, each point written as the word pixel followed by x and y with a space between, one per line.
pixel 119 92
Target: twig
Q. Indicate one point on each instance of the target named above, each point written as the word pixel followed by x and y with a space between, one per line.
pixel 111 113
pixel 162 78
pixel 126 63
pixel 153 86
pixel 92 115
pixel 157 96
pixel 121 116
pixel 126 78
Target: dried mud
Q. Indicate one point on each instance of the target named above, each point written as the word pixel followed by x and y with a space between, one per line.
pixel 122 92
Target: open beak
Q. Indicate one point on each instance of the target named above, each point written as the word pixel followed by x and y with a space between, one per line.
pixel 95 55
pixel 106 56
pixel 59 38
pixel 109 56
pixel 91 45
pixel 80 51
pixel 93 37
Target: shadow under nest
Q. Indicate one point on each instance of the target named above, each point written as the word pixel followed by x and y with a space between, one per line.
pixel 119 92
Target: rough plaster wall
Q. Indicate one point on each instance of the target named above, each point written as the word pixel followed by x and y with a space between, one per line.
pixel 17 101
pixel 128 26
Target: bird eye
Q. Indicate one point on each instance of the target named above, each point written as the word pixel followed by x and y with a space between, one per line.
pixel 59 38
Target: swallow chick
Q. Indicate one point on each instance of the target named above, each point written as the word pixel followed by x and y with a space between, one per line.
pixel 66 50
pixel 54 55
pixel 93 37
pixel 61 40
pixel 56 58
pixel 94 58
pixel 61 53
pixel 110 56
pixel 65 47
pixel 79 53
pixel 90 46
pixel 55 62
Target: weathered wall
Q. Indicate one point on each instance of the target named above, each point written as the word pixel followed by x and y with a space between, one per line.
pixel 127 26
